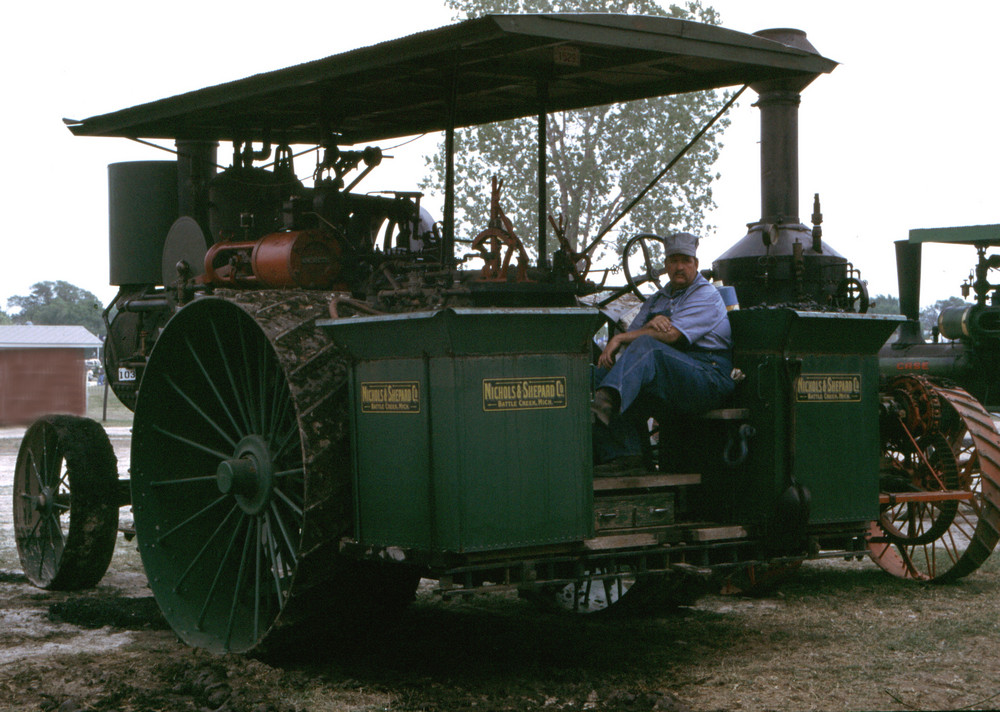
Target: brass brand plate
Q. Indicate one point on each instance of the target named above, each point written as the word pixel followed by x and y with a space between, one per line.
pixel 828 388
pixel 390 397
pixel 524 393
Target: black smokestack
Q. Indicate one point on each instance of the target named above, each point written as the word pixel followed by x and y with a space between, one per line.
pixel 779 136
pixel 908 278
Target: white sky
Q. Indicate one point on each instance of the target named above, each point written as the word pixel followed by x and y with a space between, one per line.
pixel 902 135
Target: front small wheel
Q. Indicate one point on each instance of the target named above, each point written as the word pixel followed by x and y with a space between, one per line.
pixel 65 502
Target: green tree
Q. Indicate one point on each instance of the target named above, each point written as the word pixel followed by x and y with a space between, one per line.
pixel 599 158
pixel 5 318
pixel 929 315
pixel 884 304
pixel 58 303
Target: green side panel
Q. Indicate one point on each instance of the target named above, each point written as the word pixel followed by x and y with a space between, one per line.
pixel 471 428
pixel 836 436
pixel 967 235
pixel 507 476
pixel 812 390
pixel 764 474
pixel 393 448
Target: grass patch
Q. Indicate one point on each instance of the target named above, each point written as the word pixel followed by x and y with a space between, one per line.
pixel 116 412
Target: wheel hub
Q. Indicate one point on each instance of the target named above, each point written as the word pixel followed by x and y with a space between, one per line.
pixel 249 475
pixel 44 502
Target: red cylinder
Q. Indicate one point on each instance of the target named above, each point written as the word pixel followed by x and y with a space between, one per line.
pixel 303 258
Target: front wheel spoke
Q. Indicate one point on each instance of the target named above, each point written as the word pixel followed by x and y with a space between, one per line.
pixel 57 526
pixel 241 572
pixel 194 516
pixel 218 574
pixel 33 469
pixel 208 419
pixel 247 382
pixel 284 441
pixel 280 399
pixel 34 533
pixel 247 427
pixel 204 547
pixel 187 441
pixel 184 481
pixel 288 501
pixel 211 384
pixel 42 552
pixel 262 389
pixel 289 545
pixel 272 548
pixel 277 566
pixel 289 473
pixel 261 522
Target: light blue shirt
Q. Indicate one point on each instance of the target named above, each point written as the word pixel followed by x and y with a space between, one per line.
pixel 697 311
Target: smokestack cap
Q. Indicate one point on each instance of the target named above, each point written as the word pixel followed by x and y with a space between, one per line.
pixel 790 38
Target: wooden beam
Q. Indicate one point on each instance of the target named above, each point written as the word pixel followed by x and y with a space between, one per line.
pixel 603 484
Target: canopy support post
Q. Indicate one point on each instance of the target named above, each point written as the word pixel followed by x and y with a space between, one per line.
pixel 543 100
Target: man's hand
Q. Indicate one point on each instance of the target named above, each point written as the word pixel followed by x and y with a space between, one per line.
pixel 660 323
pixel 607 357
pixel 659 327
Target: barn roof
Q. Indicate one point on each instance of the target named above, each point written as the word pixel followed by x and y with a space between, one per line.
pixel 478 71
pixel 47 337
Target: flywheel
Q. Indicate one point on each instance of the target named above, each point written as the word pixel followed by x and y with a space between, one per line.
pixel 940 499
pixel 241 473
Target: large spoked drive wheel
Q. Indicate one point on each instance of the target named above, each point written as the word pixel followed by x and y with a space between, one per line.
pixel 940 515
pixel 65 502
pixel 241 470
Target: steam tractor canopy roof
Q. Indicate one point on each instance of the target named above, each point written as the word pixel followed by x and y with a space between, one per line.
pixel 495 67
pixel 982 235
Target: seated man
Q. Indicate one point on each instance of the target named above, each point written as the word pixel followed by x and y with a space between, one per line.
pixel 676 355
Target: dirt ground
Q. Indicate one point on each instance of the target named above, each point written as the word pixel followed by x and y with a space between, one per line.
pixel 838 636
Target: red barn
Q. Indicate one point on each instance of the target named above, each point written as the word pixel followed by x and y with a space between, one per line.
pixel 42 371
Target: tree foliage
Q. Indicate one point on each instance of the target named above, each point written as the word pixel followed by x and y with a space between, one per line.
pixel 599 158
pixel 58 303
pixel 5 318
pixel 885 304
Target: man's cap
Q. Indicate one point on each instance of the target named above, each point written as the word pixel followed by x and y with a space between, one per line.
pixel 681 243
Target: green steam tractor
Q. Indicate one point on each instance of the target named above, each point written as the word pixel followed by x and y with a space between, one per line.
pixel 332 403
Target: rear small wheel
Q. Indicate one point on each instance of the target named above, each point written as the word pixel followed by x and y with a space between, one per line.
pixel 65 502
pixel 940 516
pixel 603 592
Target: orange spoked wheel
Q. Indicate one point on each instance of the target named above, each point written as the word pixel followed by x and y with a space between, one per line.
pixel 940 491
